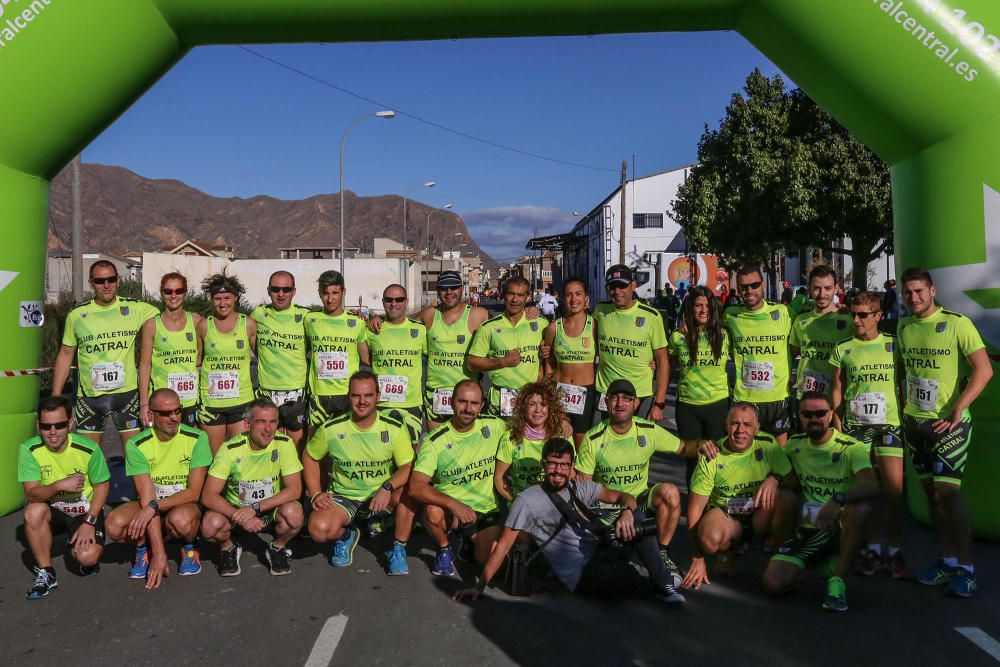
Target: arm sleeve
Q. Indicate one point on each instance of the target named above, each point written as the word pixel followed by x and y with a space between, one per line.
pixel 859 457
pixel 674 343
pixel 362 331
pixel 968 337
pixel 520 516
pixel 480 345
pixel 703 480
pixel 658 338
pixel 587 490
pixel 69 334
pixel 136 462
pixel 402 447
pixel 148 312
pixel 666 441
pixel 27 466
pixel 220 467
pixel 795 337
pixel 585 460
pixel 779 461
pixel 317 449
pixel 835 359
pixel 505 452
pixel 201 453
pixel 288 459
pixel 97 467
pixel 427 459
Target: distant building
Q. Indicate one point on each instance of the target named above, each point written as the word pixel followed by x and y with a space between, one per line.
pixel 317 252
pixel 202 249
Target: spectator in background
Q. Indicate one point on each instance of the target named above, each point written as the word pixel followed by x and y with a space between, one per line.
pixel 548 305
pixel 890 301
pixel 798 303
pixel 786 293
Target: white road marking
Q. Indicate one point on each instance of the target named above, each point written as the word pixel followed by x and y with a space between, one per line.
pixel 982 640
pixel 326 643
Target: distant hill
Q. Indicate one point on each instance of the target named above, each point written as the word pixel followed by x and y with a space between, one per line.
pixel 125 212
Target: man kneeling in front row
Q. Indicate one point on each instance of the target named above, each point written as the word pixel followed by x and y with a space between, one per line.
pixel 259 473
pixel 554 513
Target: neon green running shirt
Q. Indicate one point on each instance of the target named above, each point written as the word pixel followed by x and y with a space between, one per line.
pixel 497 336
pixel 397 359
pixel 38 463
pixel 738 475
pixel 760 350
pixel 621 462
pixel 815 335
pixel 167 462
pixel 333 350
pixel 461 465
pixel 281 347
pixel 252 476
pixel 704 380
pixel 871 375
pixel 174 361
pixel 225 366
pixel 626 340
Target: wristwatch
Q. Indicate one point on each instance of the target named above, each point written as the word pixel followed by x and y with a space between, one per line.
pixel 90 519
pixel 840 498
pixel 154 504
pixel 388 486
pixel 255 507
pixel 660 404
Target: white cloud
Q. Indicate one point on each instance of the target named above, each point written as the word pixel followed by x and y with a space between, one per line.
pixel 503 231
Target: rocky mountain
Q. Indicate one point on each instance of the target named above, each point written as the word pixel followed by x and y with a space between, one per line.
pixel 125 212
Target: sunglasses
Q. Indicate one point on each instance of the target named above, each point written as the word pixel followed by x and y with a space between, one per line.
pixel 167 413
pixel 280 290
pixel 102 281
pixel 180 291
pixel 814 414
pixel 862 314
pixel 394 299
pixel 748 286
pixel 561 465
pixel 42 426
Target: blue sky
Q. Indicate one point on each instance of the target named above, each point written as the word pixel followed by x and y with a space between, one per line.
pixel 232 124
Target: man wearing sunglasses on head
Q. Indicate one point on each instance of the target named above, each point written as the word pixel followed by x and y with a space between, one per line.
pixel 397 351
pixel 867 373
pixel 167 463
pixel 283 367
pixel 760 332
pixel 65 481
pixel 102 334
pixel 835 477
pixel 169 350
pixel 450 326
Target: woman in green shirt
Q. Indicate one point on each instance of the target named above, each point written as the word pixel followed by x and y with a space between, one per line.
pixel 700 350
pixel 169 349
pixel 227 337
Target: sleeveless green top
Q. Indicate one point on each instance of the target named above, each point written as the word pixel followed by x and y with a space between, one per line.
pixel 175 360
pixel 579 350
pixel 446 348
pixel 225 366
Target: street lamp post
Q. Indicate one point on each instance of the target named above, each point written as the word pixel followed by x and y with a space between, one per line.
pixel 406 272
pixel 377 114
pixel 427 231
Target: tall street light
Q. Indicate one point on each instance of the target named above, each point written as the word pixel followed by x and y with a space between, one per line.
pixel 406 273
pixel 377 114
pixel 427 232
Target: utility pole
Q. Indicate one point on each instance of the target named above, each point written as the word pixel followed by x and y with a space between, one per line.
pixel 77 234
pixel 621 232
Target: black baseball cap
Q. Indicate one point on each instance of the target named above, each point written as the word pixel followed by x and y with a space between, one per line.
pixel 621 387
pixel 619 274
pixel 449 280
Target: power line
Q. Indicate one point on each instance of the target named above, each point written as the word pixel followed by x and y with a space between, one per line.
pixel 438 126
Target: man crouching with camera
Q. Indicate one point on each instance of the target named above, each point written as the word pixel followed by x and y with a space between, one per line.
pixel 586 556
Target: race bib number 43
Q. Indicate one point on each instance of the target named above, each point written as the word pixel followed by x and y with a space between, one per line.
pixel 255 491
pixel 758 375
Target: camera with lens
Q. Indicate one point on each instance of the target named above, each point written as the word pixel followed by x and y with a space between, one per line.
pixel 642 529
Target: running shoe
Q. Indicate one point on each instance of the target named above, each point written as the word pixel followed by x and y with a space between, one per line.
pixel 44 582
pixel 671 566
pixel 190 561
pixel 444 563
pixel 343 549
pixel 963 583
pixel 937 574
pixel 836 595
pixel 898 568
pixel 277 560
pixel 670 595
pixel 397 560
pixel 141 564
pixel 869 563
pixel 229 561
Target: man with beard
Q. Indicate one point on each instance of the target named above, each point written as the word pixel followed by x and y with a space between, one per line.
pixel 816 332
pixel 571 547
pixel 837 482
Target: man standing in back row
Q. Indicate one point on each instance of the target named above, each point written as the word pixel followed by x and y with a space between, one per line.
pixel 760 332
pixel 938 348
pixel 630 336
pixel 815 333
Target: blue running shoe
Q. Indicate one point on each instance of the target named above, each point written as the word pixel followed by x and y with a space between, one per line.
pixel 963 583
pixel 44 583
pixel 397 560
pixel 343 549
pixel 937 574
pixel 190 561
pixel 444 563
pixel 141 565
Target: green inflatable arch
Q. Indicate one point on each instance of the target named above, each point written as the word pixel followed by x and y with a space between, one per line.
pixel 917 80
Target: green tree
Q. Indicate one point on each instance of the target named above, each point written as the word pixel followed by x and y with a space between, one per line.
pixel 780 174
